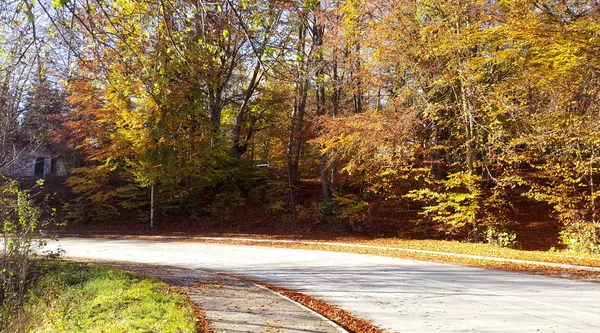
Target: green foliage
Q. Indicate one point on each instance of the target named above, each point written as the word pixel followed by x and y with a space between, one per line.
pixel 274 194
pixel 231 182
pixel 97 196
pixel 566 182
pixel 276 207
pixel 461 205
pixel 454 204
pixel 22 233
pixel 271 189
pixel 352 209
pixel 81 209
pixel 229 196
pixel 306 213
pixel 505 238
pixel 348 213
pixel 581 237
pixel 59 3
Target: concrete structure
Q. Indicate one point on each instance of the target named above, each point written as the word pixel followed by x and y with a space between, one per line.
pixel 39 164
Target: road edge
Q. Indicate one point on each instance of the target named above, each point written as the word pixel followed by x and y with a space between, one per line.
pixel 262 241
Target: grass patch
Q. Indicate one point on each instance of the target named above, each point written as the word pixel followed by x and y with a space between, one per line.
pixel 72 297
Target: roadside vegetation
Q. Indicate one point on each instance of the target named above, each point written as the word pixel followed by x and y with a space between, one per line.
pixel 477 255
pixel 22 223
pixel 395 247
pixel 41 294
pixel 71 297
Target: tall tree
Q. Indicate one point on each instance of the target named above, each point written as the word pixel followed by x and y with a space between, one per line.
pixel 22 63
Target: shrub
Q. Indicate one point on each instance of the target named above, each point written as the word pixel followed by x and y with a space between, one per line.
pixel 350 213
pixel 502 238
pixel 21 234
pixel 581 237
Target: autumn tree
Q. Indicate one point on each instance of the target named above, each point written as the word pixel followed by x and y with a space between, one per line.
pixel 22 63
pixel 430 83
pixel 166 92
pixel 474 92
pixel 458 106
pixel 18 64
pixel 556 93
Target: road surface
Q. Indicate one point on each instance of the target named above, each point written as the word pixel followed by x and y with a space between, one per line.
pixel 395 294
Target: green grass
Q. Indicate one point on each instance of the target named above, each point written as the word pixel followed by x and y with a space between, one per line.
pixel 72 297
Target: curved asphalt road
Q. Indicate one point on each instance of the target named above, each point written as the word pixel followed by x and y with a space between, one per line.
pixel 395 294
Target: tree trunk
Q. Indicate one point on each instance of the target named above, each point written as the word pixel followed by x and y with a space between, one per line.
pixel 215 107
pixel 239 147
pixel 296 125
pixel 303 91
pixel 318 32
pixel 358 93
pixel 438 156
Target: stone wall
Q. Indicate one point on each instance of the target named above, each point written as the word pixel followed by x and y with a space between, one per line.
pixel 24 165
pixel 63 166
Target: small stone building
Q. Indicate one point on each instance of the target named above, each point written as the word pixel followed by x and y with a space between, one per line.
pixel 39 164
